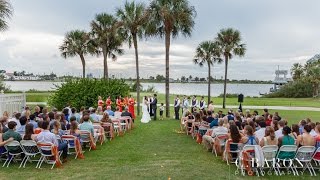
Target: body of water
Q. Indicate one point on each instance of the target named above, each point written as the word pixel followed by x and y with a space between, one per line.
pixel 175 88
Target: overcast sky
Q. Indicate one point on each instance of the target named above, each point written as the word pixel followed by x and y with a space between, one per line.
pixel 276 33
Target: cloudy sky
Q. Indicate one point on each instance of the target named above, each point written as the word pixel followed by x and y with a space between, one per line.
pixel 276 33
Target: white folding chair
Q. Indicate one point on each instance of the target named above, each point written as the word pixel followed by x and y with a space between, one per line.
pixel 128 120
pixel 304 157
pixel 85 137
pixel 222 140
pixel 12 153
pixel 101 137
pixel 270 153
pixel 46 153
pixel 71 140
pixel 30 149
pixel 249 149
pixel 108 130
pixel 286 154
pixel 316 157
pixel 231 149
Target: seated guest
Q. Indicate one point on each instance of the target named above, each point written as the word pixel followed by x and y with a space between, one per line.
pixel 87 125
pixel 94 115
pixel 23 121
pixel 226 122
pixel 64 122
pixel 313 126
pixel 47 137
pixel 75 114
pixel 74 129
pixel 109 111
pixel 106 118
pixel 99 110
pixel 16 120
pixel 234 134
pixel 11 133
pixel 72 118
pixel 275 125
pixel 36 111
pixel 57 117
pixel 220 114
pixel 295 131
pixel 39 128
pixel 262 130
pixel 65 113
pixel 279 133
pixel 117 113
pixel 51 116
pixel 214 122
pixel 286 139
pixel 2 142
pixel 301 125
pixel 3 124
pixel 230 115
pixel 57 129
pixel 276 116
pixel 269 120
pixel 269 138
pixel 210 118
pixel 126 112
pixel 208 140
pixel 29 133
pixel 249 138
pixel 32 121
pixel 306 139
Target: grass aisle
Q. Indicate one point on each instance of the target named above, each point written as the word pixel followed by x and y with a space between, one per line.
pixel 150 151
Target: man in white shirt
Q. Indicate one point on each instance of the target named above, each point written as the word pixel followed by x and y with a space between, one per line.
pixel 208 140
pixel 177 107
pixel 47 137
pixel 16 120
pixel 262 131
pixel 278 133
pixel 186 106
pixel 211 107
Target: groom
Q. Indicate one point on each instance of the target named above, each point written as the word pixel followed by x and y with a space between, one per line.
pixel 153 107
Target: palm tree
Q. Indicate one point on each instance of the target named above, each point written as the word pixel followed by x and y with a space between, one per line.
pixel 107 37
pixel 207 53
pixel 230 45
pixel 75 43
pixel 169 18
pixel 313 75
pixel 6 12
pixel 133 18
pixel 297 71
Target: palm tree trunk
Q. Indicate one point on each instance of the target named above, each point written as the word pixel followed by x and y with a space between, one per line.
pixel 105 63
pixel 167 43
pixel 225 81
pixel 209 82
pixel 83 66
pixel 135 43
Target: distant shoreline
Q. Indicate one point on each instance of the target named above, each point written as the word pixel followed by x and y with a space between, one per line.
pixel 157 82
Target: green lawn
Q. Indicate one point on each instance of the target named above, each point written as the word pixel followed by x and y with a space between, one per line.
pixel 305 102
pixel 150 151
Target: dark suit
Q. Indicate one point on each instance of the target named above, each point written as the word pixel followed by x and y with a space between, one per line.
pixel 153 107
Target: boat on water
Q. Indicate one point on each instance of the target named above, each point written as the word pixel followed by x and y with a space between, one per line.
pixel 280 80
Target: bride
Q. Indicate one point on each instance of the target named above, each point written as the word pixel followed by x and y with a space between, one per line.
pixel 145 113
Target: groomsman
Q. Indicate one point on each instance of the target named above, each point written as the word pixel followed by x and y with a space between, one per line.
pixel 176 107
pixel 202 104
pixel 182 103
pixel 194 103
pixel 186 106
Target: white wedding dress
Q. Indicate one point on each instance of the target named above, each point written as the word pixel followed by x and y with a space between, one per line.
pixel 145 113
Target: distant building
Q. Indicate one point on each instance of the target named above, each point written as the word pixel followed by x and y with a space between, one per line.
pixel 12 77
pixel 90 75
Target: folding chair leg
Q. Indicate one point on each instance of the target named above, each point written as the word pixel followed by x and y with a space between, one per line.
pixel 10 160
pixel 4 164
pixel 23 160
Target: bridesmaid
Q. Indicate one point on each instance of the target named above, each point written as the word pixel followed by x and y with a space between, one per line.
pixel 100 102
pixel 119 103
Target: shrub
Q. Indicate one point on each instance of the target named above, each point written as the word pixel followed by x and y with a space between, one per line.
pixel 296 89
pixel 85 92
